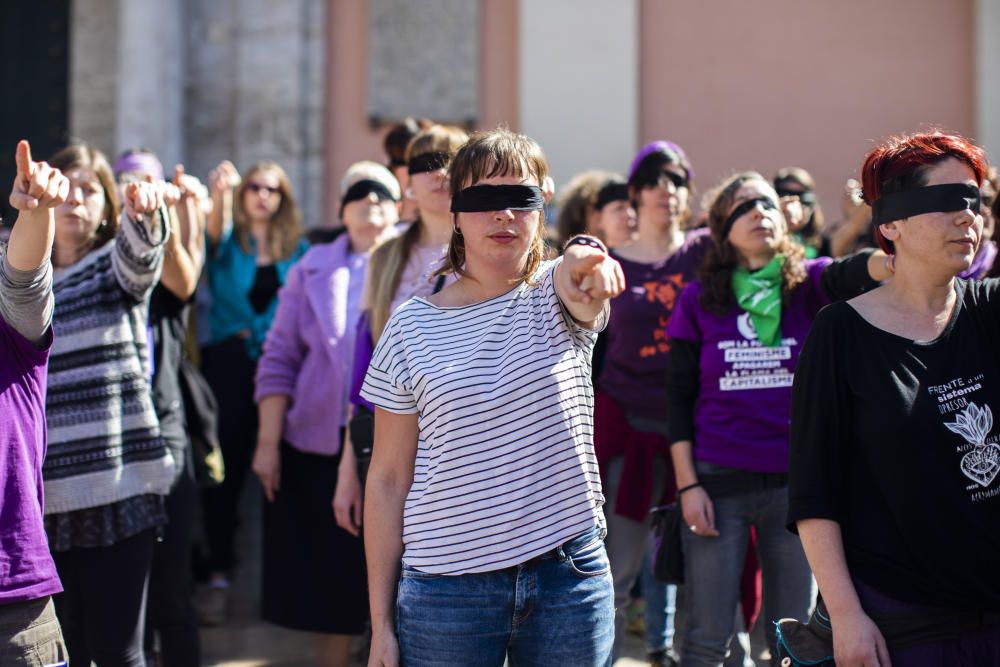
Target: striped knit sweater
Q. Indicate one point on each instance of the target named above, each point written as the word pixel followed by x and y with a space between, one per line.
pixel 104 437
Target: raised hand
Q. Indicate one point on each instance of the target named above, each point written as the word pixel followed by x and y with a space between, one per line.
pixel 171 194
pixel 36 185
pixel 189 185
pixel 224 177
pixel 143 198
pixel 591 275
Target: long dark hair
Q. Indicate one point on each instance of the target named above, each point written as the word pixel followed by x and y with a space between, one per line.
pixel 722 258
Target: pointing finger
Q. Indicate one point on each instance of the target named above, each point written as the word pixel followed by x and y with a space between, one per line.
pixel 23 158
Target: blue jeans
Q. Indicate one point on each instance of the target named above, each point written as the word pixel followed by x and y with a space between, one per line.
pixel 713 568
pixel 661 607
pixel 556 609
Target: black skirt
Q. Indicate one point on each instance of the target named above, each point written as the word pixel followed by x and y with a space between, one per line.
pixel 314 576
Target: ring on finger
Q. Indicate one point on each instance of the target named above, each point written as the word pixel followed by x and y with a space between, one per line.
pixel 694 528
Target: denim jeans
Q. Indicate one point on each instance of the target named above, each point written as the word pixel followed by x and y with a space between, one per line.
pixel 30 634
pixel 556 609
pixel 661 607
pixel 713 568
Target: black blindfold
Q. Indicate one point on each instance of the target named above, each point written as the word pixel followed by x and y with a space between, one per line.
pixel 929 199
pixel 479 198
pixel 763 203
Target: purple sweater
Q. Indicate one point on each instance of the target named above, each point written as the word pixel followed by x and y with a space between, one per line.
pixel 309 350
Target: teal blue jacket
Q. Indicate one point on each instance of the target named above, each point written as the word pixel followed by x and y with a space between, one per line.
pixel 231 273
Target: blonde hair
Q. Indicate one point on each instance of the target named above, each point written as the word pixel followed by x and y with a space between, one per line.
pixel 285 228
pixel 388 259
pixel 371 171
pixel 498 152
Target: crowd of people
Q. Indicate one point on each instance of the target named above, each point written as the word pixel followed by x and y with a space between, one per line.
pixel 461 415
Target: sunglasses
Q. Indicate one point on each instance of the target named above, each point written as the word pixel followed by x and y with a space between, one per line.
pixel 807 197
pixel 261 189
pixel 679 181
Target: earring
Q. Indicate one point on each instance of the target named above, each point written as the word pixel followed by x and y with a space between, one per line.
pixel 409 193
pixel 454 227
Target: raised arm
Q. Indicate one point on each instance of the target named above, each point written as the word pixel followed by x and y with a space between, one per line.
pixel 586 280
pixel 25 267
pixel 222 181
pixel 184 255
pixel 145 229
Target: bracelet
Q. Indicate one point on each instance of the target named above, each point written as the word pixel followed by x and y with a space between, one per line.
pixel 589 241
pixel 688 488
pixel 890 264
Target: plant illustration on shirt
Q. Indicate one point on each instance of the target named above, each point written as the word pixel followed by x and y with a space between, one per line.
pixel 982 463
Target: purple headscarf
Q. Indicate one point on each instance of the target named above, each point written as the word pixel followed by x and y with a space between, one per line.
pixel 138 161
pixel 660 147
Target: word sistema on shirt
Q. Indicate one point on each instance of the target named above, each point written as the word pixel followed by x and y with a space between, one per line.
pixel 505 467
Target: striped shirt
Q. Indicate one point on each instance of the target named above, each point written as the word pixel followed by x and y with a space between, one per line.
pixel 505 467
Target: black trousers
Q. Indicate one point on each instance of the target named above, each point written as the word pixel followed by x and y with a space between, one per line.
pixel 171 612
pixel 230 372
pixel 103 604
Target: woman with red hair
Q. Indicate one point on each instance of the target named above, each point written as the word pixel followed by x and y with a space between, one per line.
pixel 894 485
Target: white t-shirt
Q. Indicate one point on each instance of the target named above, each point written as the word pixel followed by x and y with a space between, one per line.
pixel 505 467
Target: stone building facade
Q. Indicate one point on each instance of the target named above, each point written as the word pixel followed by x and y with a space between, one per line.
pixel 201 81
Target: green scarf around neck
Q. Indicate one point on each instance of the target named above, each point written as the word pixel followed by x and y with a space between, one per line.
pixel 759 293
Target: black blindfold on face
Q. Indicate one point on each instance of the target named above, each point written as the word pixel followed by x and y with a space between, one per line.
pixel 929 199
pixel 763 203
pixel 480 198
pixel 362 189
pixel 613 191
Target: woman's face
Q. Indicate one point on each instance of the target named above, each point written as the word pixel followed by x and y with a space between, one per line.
pixel 366 219
pixel 262 195
pixel 501 239
pixel 430 192
pixel 666 203
pixel 616 223
pixel 757 233
pixel 79 216
pixel 946 239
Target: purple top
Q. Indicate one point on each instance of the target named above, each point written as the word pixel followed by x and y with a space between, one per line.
pixel 982 262
pixel 310 345
pixel 26 568
pixel 635 363
pixel 744 403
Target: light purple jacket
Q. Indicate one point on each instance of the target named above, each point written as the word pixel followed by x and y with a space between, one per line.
pixel 309 350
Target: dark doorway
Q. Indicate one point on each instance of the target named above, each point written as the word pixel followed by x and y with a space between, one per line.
pixel 34 78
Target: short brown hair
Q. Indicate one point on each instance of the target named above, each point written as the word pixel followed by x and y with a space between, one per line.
pixel 399 136
pixel 498 152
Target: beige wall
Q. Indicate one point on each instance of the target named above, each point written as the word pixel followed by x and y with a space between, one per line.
pixel 739 86
pixel 350 138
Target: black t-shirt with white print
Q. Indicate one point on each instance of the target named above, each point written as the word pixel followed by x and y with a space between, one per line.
pixel 899 442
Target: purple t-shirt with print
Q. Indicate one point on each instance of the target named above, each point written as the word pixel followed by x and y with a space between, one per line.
pixel 635 363
pixel 744 402
pixel 26 568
